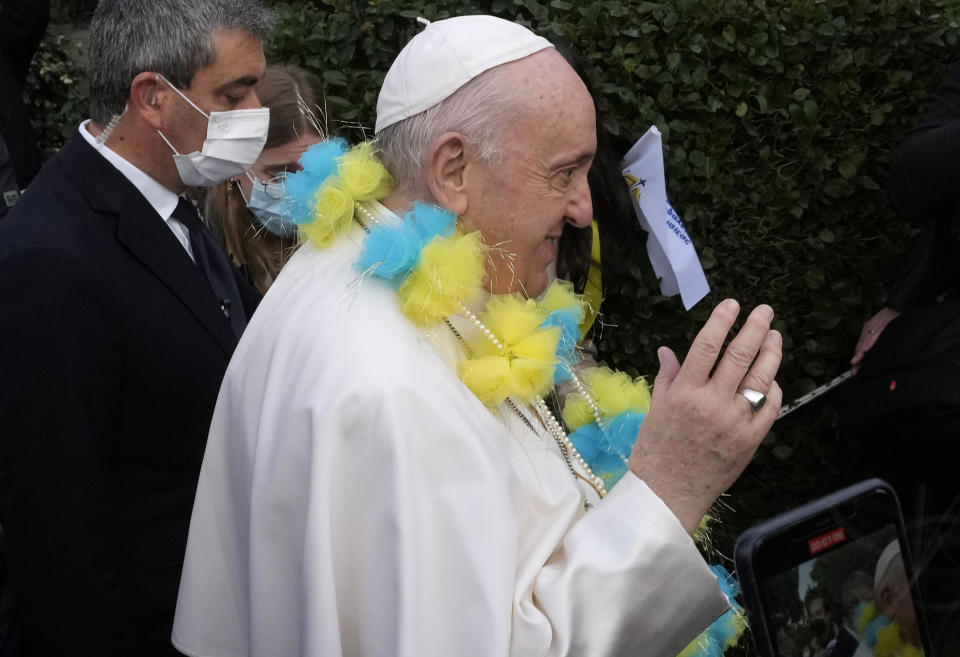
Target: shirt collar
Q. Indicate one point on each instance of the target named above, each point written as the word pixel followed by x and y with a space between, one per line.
pixel 161 199
pixel 379 213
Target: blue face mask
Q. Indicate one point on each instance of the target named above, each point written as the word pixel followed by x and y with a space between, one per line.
pixel 270 207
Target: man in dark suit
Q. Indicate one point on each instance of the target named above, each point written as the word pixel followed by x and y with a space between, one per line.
pixel 118 315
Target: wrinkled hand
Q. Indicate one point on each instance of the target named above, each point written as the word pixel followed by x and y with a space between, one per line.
pixel 872 329
pixel 700 432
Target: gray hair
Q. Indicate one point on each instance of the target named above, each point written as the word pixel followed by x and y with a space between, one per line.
pixel 480 110
pixel 171 37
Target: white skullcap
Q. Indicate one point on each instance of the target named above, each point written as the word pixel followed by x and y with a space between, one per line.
pixel 444 57
pixel 889 553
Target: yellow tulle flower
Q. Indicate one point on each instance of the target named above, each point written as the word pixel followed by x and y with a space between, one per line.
pixel 576 412
pixel 559 295
pixel 737 623
pixel 888 641
pixel 450 270
pixel 523 366
pixel 332 214
pixel 523 371
pixel 511 318
pixel 867 614
pixel 614 392
pixel 487 377
pixel 362 175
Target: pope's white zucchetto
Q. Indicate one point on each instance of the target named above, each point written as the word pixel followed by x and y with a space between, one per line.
pixel 883 563
pixel 444 57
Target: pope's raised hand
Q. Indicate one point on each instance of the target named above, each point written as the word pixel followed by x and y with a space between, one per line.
pixel 701 431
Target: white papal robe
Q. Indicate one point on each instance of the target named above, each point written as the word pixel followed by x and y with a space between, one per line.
pixel 356 499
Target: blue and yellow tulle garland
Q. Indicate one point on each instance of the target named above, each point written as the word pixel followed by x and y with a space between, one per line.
pixel 882 635
pixel 724 632
pixel 437 270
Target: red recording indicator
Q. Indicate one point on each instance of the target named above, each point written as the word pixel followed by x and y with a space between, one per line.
pixel 828 540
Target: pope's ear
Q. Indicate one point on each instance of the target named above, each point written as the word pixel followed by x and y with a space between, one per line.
pixel 145 99
pixel 444 172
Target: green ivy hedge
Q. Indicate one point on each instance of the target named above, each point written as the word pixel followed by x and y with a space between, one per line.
pixel 779 118
pixel 56 92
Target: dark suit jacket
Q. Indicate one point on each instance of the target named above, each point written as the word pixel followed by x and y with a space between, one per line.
pixel 112 349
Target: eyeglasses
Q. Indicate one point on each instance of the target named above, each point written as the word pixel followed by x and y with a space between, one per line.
pixel 274 188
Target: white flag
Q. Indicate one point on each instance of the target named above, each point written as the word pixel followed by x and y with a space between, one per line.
pixel 671 252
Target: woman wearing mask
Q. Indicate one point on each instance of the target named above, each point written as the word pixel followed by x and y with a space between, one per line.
pixel 247 211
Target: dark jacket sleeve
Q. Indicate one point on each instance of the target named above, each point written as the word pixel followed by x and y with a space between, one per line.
pixel 22 24
pixel 60 363
pixel 925 166
pixel 930 266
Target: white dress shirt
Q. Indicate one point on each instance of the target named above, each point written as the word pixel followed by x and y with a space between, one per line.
pixel 161 199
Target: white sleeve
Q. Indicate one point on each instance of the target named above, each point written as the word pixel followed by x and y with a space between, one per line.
pixel 424 530
pixel 627 580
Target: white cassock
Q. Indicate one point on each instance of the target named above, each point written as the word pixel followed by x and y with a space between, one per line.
pixel 356 499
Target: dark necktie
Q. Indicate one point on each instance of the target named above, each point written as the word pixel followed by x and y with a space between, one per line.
pixel 213 261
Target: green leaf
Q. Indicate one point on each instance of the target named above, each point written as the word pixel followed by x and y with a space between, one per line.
pixel 868 183
pixel 849 166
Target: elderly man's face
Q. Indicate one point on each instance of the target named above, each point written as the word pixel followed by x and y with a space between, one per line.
pixel 895 601
pixel 522 203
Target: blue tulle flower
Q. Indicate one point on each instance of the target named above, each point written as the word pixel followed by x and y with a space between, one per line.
pixel 431 220
pixel 589 441
pixel 318 162
pixel 724 631
pixel 391 252
pixel 568 319
pixel 870 632
pixel 729 585
pixel 607 450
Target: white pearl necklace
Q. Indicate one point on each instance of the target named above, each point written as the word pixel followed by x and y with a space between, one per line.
pixel 367 215
pixel 566 445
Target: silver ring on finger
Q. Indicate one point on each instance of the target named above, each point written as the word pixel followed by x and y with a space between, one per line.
pixel 756 398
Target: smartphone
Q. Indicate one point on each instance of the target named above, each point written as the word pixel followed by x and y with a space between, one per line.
pixel 833 577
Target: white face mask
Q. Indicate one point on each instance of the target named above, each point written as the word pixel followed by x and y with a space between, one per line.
pixel 234 141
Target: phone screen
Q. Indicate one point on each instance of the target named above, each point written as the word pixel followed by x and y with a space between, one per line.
pixel 849 597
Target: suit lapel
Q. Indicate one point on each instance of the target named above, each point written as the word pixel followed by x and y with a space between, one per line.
pixel 146 236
